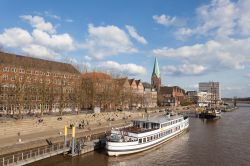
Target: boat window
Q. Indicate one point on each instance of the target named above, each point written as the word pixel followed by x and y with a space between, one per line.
pixel 140 140
pixel 151 137
pixel 148 139
pixel 144 139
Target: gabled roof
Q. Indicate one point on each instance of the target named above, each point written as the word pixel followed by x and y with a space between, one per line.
pixel 156 69
pixel 35 63
pixel 121 81
pixel 131 81
pixel 170 89
pixel 137 82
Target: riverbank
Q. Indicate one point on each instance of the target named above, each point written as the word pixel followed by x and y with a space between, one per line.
pixel 24 134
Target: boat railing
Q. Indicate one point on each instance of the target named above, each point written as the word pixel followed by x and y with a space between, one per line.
pixel 119 128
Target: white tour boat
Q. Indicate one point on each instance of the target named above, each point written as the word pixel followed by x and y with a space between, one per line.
pixel 145 134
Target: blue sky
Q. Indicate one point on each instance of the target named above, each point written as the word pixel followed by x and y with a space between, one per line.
pixel 194 40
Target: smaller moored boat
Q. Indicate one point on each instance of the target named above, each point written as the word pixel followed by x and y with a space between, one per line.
pixel 210 113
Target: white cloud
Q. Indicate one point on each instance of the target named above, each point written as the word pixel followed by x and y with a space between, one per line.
pixel 184 69
pixel 216 55
pixel 243 22
pixel 15 37
pixel 108 40
pixel 220 18
pixel 39 51
pixel 41 42
pixel 128 69
pixel 230 88
pixel 247 75
pixel 51 15
pixel 39 23
pixel 167 20
pixel 68 20
pixel 61 42
pixel 133 33
pixel 87 58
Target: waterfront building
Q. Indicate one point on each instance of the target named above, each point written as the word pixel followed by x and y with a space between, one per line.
pixel 171 96
pixel 156 76
pixel 131 93
pixel 213 88
pixel 137 92
pixel 150 96
pixel 97 90
pixel 192 96
pixel 32 85
pixel 204 99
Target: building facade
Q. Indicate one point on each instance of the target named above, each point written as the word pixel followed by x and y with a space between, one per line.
pixel 150 96
pixel 31 85
pixel 171 96
pixel 213 88
pixel 192 96
pixel 204 99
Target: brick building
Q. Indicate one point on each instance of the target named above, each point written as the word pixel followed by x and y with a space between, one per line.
pixel 171 96
pixel 31 85
pixel 150 96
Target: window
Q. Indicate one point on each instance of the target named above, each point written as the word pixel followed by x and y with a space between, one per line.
pixel 21 70
pixel 13 70
pixel 20 78
pixel 6 69
pixel 145 139
pixel 140 140
pixel 13 78
pixel 5 77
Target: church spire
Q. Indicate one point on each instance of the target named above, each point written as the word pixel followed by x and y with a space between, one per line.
pixel 156 77
pixel 156 69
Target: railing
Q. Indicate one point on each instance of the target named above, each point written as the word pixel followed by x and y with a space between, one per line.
pixel 34 154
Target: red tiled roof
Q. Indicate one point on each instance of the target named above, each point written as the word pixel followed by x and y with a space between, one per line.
pixel 96 75
pixel 35 63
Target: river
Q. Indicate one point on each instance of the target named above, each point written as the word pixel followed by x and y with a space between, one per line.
pixel 222 142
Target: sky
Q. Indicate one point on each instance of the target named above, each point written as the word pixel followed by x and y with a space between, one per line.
pixel 194 41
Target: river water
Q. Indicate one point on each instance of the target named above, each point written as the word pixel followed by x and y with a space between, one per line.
pixel 222 142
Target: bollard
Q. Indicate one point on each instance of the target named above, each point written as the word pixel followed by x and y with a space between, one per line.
pixel 65 135
pixel 73 141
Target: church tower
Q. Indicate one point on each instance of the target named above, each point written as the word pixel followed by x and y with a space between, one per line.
pixel 156 76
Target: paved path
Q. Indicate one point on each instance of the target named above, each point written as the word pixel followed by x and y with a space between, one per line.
pixel 36 139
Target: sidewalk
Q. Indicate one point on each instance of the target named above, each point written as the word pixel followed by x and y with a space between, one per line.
pixel 38 139
pixel 11 144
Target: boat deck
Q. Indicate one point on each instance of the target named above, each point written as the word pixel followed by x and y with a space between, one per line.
pixel 136 130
